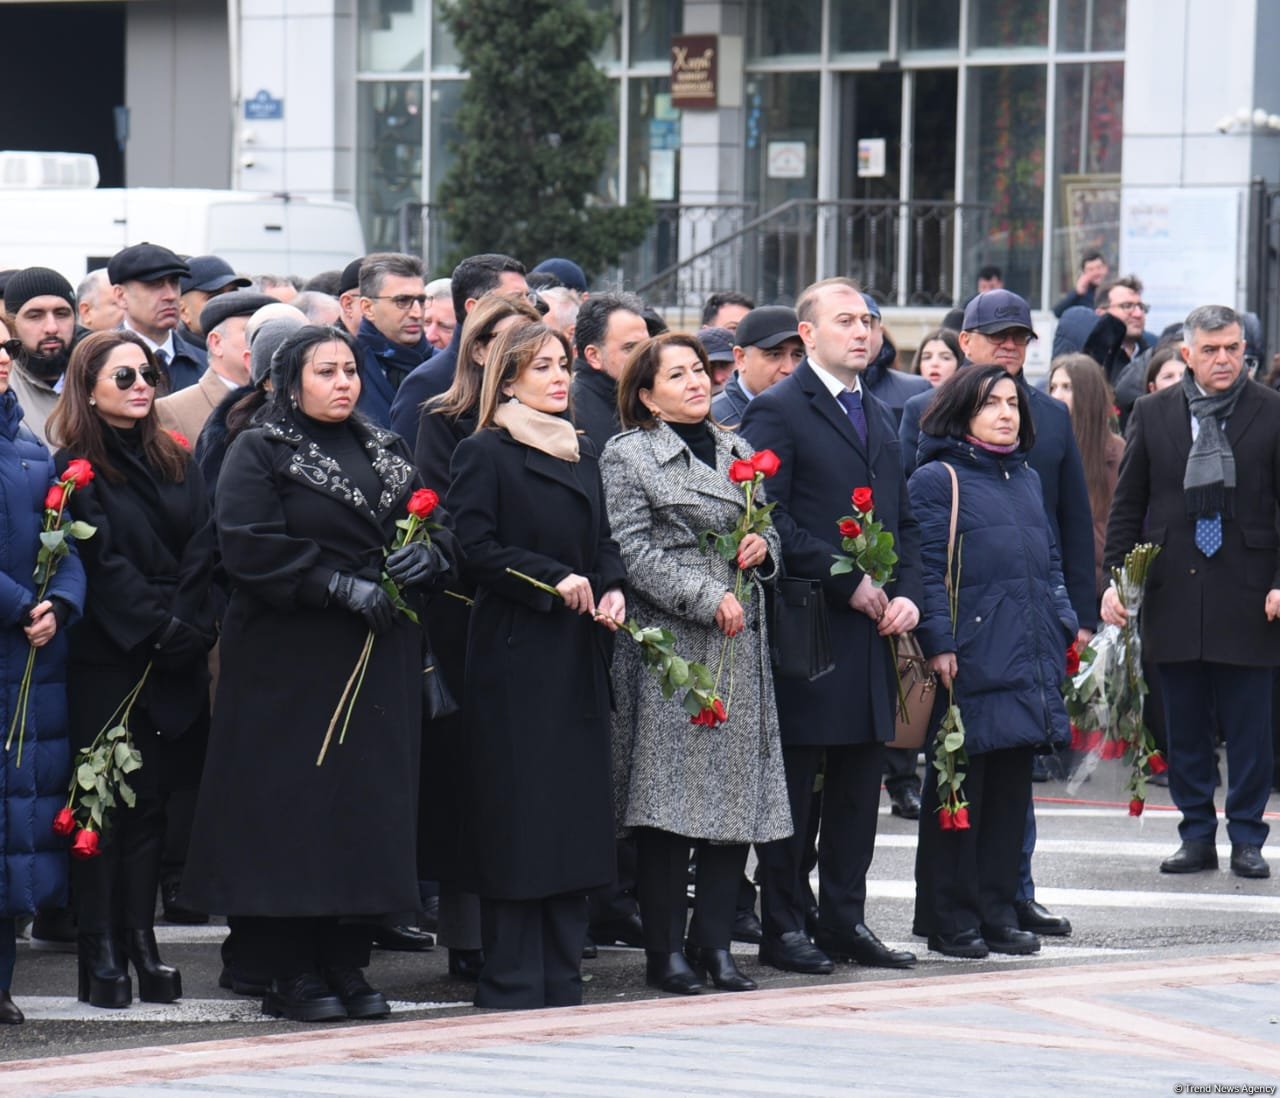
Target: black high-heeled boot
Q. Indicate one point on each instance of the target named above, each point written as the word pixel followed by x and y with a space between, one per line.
pixel 104 978
pixel 719 965
pixel 157 981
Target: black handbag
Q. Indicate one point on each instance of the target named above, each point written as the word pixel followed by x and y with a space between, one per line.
pixel 799 633
pixel 438 701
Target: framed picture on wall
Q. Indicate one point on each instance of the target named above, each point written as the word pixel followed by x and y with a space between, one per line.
pixel 1091 215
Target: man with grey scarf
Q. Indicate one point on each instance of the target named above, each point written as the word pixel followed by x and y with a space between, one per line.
pixel 1201 477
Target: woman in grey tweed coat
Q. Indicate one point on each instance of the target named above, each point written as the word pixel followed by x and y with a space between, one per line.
pixel 680 785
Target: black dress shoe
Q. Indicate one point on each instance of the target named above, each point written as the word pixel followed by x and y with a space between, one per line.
pixel 157 981
pixel 811 921
pixel 1009 939
pixel 1247 861
pixel 403 939
pixel 1191 858
pixel 627 931
pixel 430 920
pixel 10 1015
pixel 103 971
pixel 589 950
pixel 863 947
pixel 1038 919
pixel 466 964
pixel 302 998
pixel 793 952
pixel 964 943
pixel 253 986
pixel 718 964
pixel 905 802
pixel 359 999
pixel 174 912
pixel 747 928
pixel 671 972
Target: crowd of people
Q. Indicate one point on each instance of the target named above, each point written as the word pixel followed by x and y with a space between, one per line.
pixel 495 506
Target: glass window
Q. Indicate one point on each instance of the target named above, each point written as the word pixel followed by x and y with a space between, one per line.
pixel 610 51
pixel 1090 25
pixel 1004 168
pixel 391 35
pixel 780 30
pixel 1004 24
pixel 388 157
pixel 930 24
pixel 1087 143
pixel 653 140
pixel 860 26
pixel 444 51
pixel 653 22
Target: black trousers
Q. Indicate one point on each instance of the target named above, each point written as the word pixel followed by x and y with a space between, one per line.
pixel 850 807
pixel 285 947
pixel 662 872
pixel 532 952
pixel 117 889
pixel 900 769
pixel 617 900
pixel 967 880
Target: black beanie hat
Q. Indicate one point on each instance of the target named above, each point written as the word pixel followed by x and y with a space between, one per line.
pixel 35 282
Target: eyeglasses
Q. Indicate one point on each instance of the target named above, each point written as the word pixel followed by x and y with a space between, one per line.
pixel 403 302
pixel 11 347
pixel 1130 306
pixel 1019 337
pixel 125 376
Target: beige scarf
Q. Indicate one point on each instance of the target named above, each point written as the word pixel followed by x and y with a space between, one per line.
pixel 539 430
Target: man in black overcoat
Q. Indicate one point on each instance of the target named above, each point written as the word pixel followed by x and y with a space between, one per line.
pixel 831 438
pixel 1201 466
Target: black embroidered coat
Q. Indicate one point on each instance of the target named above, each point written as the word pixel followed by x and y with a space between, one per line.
pixel 275 834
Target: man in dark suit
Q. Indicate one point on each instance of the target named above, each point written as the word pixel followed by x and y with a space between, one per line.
pixel 146 282
pixel 832 437
pixel 609 328
pixel 1201 466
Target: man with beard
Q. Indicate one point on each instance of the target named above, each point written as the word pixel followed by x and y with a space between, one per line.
pixel 44 321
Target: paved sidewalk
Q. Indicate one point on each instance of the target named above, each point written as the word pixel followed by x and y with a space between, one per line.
pixel 1102 1028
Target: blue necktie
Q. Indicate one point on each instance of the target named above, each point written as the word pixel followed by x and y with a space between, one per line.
pixel 852 403
pixel 1209 534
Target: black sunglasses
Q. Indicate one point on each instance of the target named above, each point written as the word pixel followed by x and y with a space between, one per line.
pixel 125 376
pixel 11 347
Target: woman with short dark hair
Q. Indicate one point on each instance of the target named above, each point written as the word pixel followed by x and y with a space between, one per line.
pixel 1003 653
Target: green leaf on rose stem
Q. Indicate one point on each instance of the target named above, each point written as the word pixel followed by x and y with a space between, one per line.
pixel 402 524
pixel 116 732
pixel 88 800
pixel 126 793
pixel 842 566
pixel 100 783
pixel 120 755
pixel 701 676
pixel 692 705
pixel 51 539
pixel 86 776
pixel 667 687
pixel 953 742
pixel 95 814
pixel 679 671
pixel 134 763
pixel 81 531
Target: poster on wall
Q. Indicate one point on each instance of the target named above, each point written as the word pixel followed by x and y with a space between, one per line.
pixel 1091 206
pixel 787 159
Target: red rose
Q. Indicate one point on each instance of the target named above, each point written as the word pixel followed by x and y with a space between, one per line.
pixel 1092 741
pixel 961 818
pixel 54 498
pixel 740 472
pixel 423 502
pixel 1073 662
pixel 1157 763
pixel 1112 749
pixel 180 439
pixel 85 844
pixel 1136 806
pixel 722 714
pixel 78 471
pixel 766 462
pixel 1077 739
pixel 849 528
pixel 699 717
pixel 862 500
pixel 944 819
pixel 64 822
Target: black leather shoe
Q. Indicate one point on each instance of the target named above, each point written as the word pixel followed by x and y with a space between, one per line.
pixel 1038 919
pixel 964 943
pixel 1191 858
pixel 403 939
pixel 747 928
pixel 671 972
pixel 811 921
pixel 103 972
pixel 254 987
pixel 1009 939
pixel 359 999
pixel 863 947
pixel 466 964
pixel 905 802
pixel 303 998
pixel 793 952
pixel 1247 861
pixel 174 912
pixel 627 931
pixel 718 964
pixel 589 950
pixel 430 920
pixel 10 1015
pixel 157 981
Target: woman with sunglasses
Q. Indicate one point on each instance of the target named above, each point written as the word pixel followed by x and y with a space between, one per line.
pixel 33 778
pixel 150 610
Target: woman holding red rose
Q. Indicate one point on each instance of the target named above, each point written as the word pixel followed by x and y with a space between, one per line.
pixel 33 862
pixel 718 787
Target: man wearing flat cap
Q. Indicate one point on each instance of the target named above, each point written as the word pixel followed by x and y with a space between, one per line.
pixel 223 319
pixel 146 280
pixel 209 276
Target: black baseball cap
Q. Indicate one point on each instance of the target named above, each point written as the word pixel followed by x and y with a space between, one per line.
pixel 997 311
pixel 209 273
pixel 145 262
pixel 767 326
pixel 717 342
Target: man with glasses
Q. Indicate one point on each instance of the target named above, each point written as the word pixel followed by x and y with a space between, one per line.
pixel 1122 299
pixel 997 329
pixel 392 332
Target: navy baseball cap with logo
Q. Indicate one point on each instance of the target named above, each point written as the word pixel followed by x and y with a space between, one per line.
pixel 997 311
pixel 767 326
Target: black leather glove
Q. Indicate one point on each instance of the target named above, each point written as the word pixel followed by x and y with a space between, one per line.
pixel 363 597
pixel 417 563
pixel 179 645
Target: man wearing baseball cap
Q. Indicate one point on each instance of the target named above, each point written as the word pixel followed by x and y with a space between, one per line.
pixel 209 276
pixel 147 281
pixel 718 343
pixel 767 347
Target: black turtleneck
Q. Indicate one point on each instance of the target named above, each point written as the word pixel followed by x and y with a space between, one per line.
pixel 340 442
pixel 697 436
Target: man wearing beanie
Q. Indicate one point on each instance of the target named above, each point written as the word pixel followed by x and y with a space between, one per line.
pixel 43 308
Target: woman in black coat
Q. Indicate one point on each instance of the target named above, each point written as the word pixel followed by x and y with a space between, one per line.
pixel 1005 653
pixel 304 856
pixel 150 602
pixel 445 421
pixel 537 814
